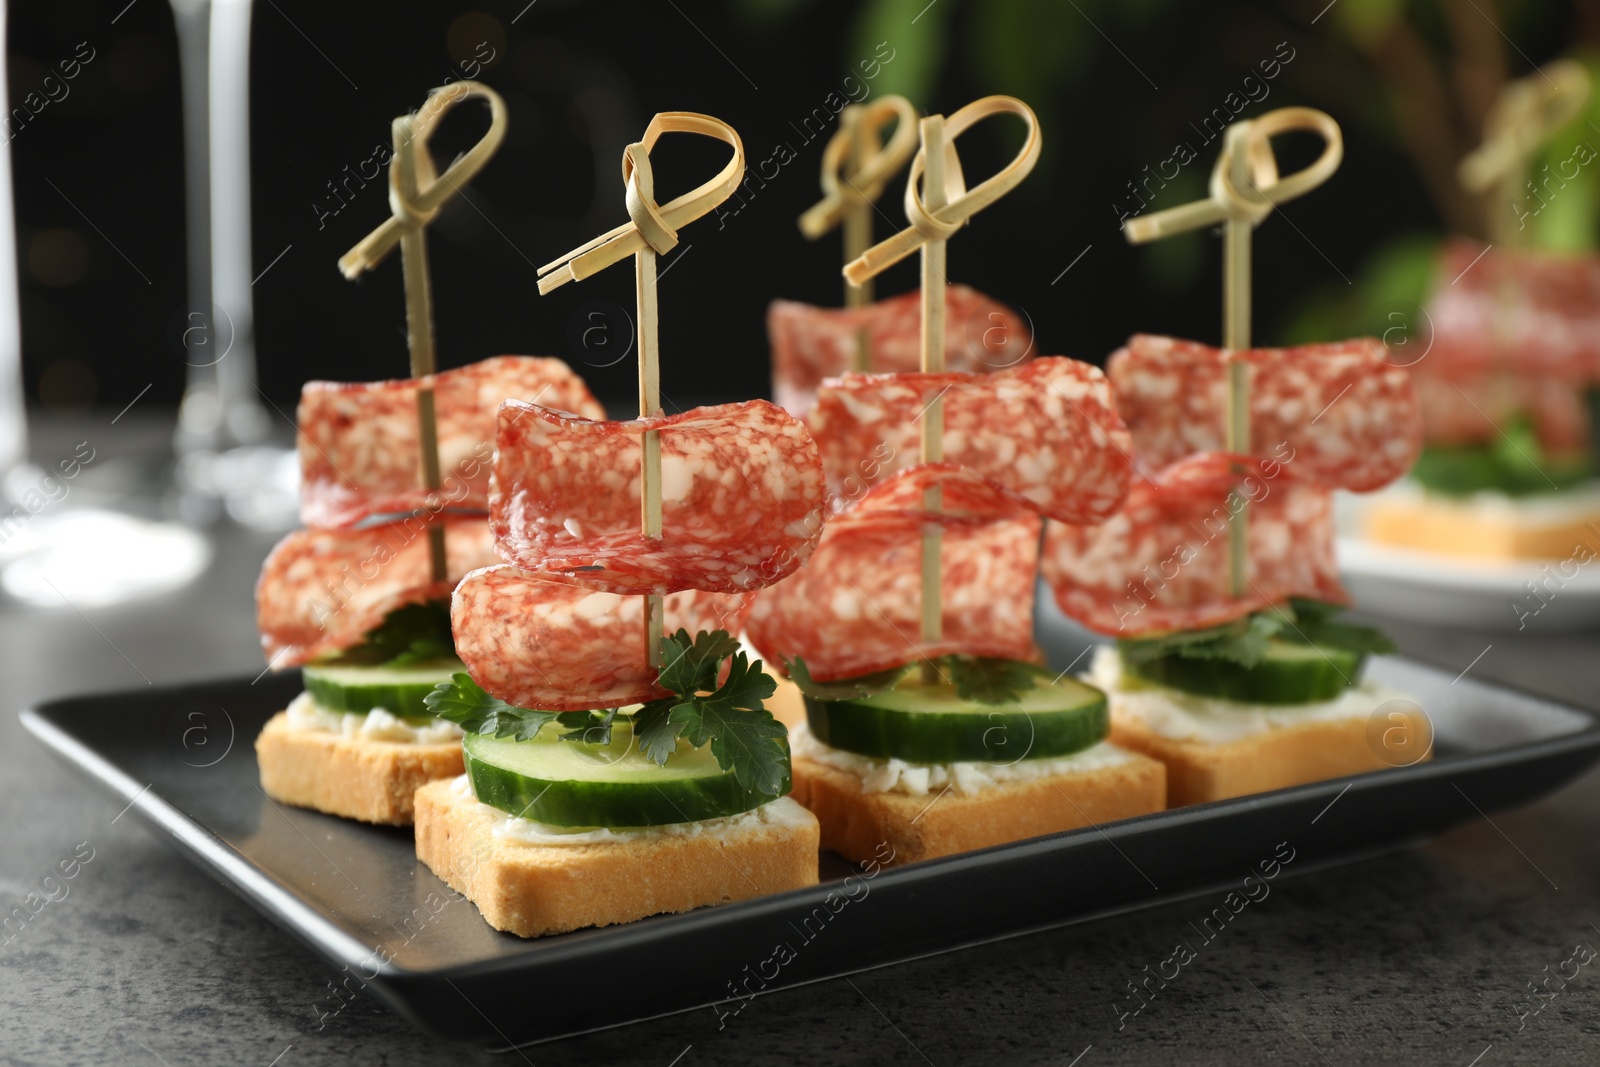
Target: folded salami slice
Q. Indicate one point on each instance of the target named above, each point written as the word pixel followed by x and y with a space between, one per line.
pixel 741 498
pixel 1046 432
pixel 1530 313
pixel 1349 414
pixel 321 591
pixel 541 643
pixel 359 453
pixel 811 343
pixel 856 607
pixel 1472 409
pixel 1162 563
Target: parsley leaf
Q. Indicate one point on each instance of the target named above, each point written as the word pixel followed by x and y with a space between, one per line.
pixel 588 727
pixel 988 680
pixel 412 633
pixel 743 735
pixel 656 733
pixel 463 702
pixel 846 688
pixel 689 666
pixel 1244 641
pixel 1317 626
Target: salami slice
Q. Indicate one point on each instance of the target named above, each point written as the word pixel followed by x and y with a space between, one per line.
pixel 811 343
pixel 1162 563
pixel 321 591
pixel 1472 410
pixel 856 607
pixel 1529 313
pixel 741 498
pixel 359 453
pixel 1512 334
pixel 540 643
pixel 1046 432
pixel 1349 415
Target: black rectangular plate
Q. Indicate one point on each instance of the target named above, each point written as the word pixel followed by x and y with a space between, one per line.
pixel 182 758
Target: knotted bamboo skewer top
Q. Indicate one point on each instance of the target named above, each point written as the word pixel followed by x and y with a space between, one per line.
pixel 651 226
pixel 416 190
pixel 1245 183
pixel 1526 115
pixel 961 203
pixel 860 127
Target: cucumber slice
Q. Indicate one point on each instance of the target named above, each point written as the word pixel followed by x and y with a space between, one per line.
pixel 1292 672
pixel 569 783
pixel 397 690
pixel 931 724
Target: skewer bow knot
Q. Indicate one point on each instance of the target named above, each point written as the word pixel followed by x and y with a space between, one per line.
pixel 1526 115
pixel 960 203
pixel 416 189
pixel 1245 183
pixel 876 163
pixel 651 225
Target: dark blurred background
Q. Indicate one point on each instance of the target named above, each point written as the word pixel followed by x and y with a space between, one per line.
pixel 1117 84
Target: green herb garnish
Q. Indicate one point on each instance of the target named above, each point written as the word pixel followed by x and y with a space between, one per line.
pixel 987 680
pixel 981 679
pixel 414 633
pixel 845 689
pixel 463 702
pixel 1244 641
pixel 729 715
pixel 744 736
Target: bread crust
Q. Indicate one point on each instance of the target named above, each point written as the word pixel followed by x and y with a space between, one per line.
pixel 532 890
pixel 353 777
pixel 857 825
pixel 1453 529
pixel 1199 771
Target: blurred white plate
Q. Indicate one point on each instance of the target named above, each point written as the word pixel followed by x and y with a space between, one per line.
pixel 1451 591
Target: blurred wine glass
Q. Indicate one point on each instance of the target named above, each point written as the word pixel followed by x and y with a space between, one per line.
pixel 226 461
pixel 84 557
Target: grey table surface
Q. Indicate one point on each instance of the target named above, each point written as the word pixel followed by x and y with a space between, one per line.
pixel 1418 956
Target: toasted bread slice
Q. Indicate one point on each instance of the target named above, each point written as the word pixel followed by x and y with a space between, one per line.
pixel 864 826
pixel 1198 771
pixel 535 889
pixel 1460 529
pixel 357 778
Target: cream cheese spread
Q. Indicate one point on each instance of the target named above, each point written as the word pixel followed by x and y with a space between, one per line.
pixel 306 715
pixel 1212 720
pixel 782 812
pixel 918 779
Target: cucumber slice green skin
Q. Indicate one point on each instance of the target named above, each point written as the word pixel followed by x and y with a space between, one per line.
pixel 1292 673
pixel 359 689
pixel 910 723
pixel 618 796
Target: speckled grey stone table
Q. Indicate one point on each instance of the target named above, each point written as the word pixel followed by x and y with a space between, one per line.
pixel 1421 956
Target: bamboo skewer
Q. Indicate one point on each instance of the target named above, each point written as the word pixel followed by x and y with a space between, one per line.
pixel 416 192
pixel 1522 120
pixel 644 282
pixel 857 226
pixel 938 204
pixel 1245 186
pixel 934 197
pixel 650 231
pixel 856 166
